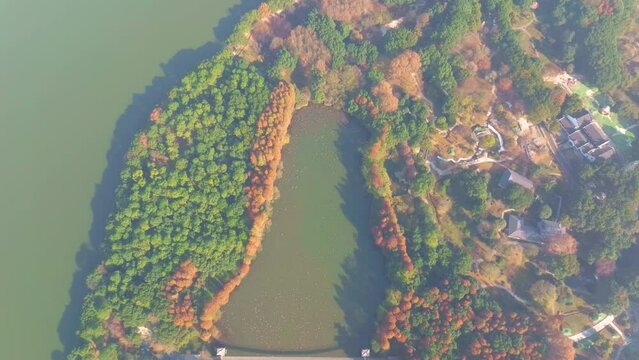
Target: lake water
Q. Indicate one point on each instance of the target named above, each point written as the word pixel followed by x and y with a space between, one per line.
pixel 315 286
pixel 77 78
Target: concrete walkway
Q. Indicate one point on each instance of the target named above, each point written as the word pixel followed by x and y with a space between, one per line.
pixel 593 330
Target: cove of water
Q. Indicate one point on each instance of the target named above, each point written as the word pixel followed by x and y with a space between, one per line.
pixel 315 286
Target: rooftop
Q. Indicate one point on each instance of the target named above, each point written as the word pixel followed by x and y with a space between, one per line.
pixel 595 133
pixel 578 138
pixel 512 177
pixel 586 135
pixel 576 120
pixel 535 231
pixel 605 152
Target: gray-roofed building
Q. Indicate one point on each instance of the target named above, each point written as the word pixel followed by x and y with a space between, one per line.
pixel 527 230
pixel 581 132
pixel 549 228
pixel 522 229
pixel 511 177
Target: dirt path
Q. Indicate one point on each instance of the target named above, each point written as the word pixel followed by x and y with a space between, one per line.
pixel 515 296
pixel 421 92
pixel 463 163
pixel 524 28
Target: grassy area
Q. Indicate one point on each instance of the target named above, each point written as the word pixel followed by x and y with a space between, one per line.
pixel 507 302
pixel 576 321
pixel 523 280
pixel 611 124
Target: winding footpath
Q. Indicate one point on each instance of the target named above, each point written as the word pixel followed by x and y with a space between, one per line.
pixel 515 296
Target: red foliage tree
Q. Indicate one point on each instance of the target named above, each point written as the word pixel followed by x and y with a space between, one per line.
pixel 559 346
pixel 311 51
pixel 410 170
pixel 265 157
pixel 605 267
pixel 183 312
pixel 155 114
pixel 264 10
pixel 562 244
pixel 504 84
pixel 181 306
pixel 355 12
pixel 388 234
pixel 404 71
pixel 182 279
pixel 384 92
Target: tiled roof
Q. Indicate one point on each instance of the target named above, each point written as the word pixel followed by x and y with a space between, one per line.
pixel 583 117
pixel 605 152
pixel 522 229
pixel 595 133
pixel 578 138
pixel 516 178
pixel 586 135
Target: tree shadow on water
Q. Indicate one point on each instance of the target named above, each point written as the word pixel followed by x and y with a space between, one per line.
pixel 362 283
pixel 134 118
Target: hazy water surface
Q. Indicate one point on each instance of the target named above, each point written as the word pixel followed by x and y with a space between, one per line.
pixel 77 77
pixel 318 280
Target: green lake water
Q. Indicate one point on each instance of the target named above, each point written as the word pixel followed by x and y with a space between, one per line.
pixel 315 286
pixel 77 78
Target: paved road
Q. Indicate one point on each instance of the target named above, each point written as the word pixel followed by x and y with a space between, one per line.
pixel 593 330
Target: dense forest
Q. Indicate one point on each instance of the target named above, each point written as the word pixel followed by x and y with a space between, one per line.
pixel 180 212
pixel 584 38
pixel 196 192
pixel 433 309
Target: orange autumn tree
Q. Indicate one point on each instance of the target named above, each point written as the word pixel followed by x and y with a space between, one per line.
pixel 355 12
pixel 267 149
pixel 562 244
pixel 387 232
pixel 605 267
pixel 560 347
pixel 405 72
pixel 406 153
pixel 182 279
pixel 180 304
pixel 265 157
pixel 442 313
pixel 388 102
pixel 389 235
pixel 304 43
pixel 264 10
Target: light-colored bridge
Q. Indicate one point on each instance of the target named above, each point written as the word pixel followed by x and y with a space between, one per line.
pixel 296 358
pixel 607 321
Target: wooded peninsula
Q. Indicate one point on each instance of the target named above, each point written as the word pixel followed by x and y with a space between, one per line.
pixel 504 197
